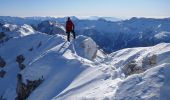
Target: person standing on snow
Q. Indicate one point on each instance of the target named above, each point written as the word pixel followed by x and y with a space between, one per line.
pixel 70 28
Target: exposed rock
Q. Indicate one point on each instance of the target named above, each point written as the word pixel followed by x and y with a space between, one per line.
pixel 149 61
pixel 20 59
pixel 152 60
pixel 21 66
pixel 2 62
pixel 24 90
pixel 2 73
pixel 32 85
pixel 132 68
pixel 21 89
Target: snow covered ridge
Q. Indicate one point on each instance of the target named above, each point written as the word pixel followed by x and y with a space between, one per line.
pixel 53 68
pixel 50 27
pixel 148 78
pixel 43 55
pixel 8 31
pixel 78 71
pixel 152 83
pixel 16 31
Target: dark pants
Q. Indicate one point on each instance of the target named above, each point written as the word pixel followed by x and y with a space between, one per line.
pixel 68 35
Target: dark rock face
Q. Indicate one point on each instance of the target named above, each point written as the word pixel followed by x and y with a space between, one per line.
pixel 132 68
pixel 152 60
pixel 32 85
pixel 21 88
pixel 20 59
pixel 21 66
pixel 2 62
pixel 24 90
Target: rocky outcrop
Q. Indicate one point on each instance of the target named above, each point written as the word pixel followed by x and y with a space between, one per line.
pixel 24 90
pixel 32 85
pixel 21 66
pixel 20 59
pixel 152 60
pixel 134 68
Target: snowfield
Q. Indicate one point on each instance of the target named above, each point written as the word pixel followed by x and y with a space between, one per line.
pixel 79 70
pixel 70 73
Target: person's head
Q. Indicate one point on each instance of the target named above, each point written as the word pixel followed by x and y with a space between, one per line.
pixel 68 19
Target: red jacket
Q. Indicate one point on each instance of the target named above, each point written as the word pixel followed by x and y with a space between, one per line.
pixel 69 26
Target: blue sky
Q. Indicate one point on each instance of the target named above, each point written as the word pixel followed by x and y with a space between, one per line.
pixel 57 8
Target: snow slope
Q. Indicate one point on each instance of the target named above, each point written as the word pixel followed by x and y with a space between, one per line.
pixel 71 72
pixel 152 84
pixel 55 60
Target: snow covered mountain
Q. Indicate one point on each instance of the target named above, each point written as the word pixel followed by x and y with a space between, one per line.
pixel 113 19
pixel 112 36
pixel 50 27
pixel 109 36
pixel 32 20
pixel 54 69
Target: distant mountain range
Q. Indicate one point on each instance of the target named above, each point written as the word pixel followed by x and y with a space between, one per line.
pixel 38 63
pixel 109 35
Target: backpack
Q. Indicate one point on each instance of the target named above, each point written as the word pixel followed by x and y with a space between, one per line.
pixel 69 26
